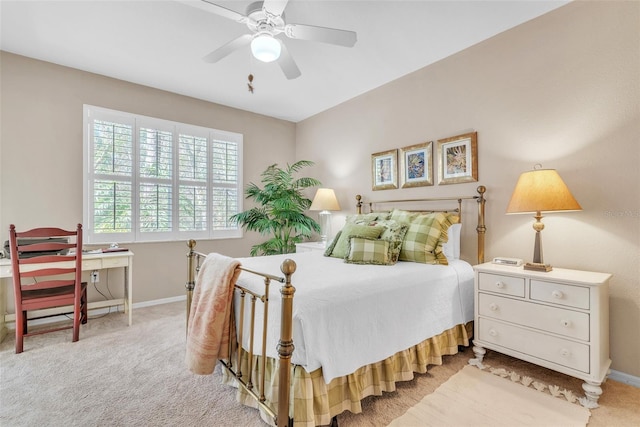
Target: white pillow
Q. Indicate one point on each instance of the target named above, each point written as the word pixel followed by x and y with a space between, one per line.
pixel 451 249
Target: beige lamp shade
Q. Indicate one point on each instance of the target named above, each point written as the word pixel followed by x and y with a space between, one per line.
pixel 325 200
pixel 541 190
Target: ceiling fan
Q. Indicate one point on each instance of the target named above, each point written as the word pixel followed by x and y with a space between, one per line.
pixel 266 20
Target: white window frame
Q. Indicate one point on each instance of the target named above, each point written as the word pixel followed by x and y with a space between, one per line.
pixel 91 113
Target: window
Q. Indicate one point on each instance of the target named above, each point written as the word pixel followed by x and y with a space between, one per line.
pixel 147 179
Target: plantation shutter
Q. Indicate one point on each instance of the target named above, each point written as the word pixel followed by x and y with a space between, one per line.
pixel 155 190
pixel 193 170
pixel 224 202
pixel 111 205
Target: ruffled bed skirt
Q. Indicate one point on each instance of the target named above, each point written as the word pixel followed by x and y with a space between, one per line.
pixel 314 402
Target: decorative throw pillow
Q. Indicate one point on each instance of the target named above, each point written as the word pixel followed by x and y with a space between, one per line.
pixel 366 219
pixel 364 250
pixel 394 233
pixel 423 235
pixel 332 245
pixel 341 247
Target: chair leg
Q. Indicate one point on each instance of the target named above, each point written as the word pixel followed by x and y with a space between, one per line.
pixel 83 307
pixel 20 328
pixel 25 329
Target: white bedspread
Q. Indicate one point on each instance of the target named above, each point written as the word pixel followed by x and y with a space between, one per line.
pixel 347 315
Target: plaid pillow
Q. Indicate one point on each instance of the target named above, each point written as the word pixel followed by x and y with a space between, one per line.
pixel 394 232
pixel 423 236
pixel 366 219
pixel 364 250
pixel 340 248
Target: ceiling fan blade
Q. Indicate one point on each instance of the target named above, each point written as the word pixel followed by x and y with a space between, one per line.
pixel 321 34
pixel 228 48
pixel 288 65
pixel 223 11
pixel 274 7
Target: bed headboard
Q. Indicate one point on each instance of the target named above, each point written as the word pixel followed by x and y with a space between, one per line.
pixel 442 204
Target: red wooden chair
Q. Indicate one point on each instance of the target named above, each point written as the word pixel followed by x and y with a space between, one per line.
pixel 47 272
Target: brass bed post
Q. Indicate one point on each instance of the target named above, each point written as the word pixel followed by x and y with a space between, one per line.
pixel 191 283
pixel 285 345
pixel 358 204
pixel 481 228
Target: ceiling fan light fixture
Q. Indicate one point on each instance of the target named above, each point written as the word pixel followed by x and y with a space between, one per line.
pixel 265 47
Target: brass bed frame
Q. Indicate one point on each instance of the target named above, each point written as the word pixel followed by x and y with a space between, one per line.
pixel 285 346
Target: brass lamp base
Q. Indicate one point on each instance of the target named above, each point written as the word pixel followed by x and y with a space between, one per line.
pixel 536 266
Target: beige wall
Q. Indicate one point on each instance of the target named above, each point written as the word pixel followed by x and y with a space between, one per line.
pixel 562 90
pixel 41 157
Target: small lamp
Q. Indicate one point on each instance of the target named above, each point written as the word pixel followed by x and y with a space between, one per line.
pixel 537 191
pixel 325 201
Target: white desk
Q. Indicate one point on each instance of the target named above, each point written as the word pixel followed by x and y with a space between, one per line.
pixel 90 262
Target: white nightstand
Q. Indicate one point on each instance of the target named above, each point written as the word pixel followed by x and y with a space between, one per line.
pixel 310 247
pixel 557 319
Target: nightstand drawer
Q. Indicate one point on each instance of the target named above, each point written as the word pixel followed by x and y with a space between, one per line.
pixel 556 320
pixel 501 284
pixel 556 350
pixel 557 293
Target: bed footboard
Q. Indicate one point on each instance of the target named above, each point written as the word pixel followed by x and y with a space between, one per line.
pixel 285 344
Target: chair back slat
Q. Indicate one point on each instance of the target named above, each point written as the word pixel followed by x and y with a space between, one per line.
pixel 53 271
pixel 45 232
pixel 47 284
pixel 46 259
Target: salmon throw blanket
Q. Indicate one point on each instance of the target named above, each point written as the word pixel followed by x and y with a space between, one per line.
pixel 208 332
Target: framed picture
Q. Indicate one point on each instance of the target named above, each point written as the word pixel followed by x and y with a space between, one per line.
pixel 458 159
pixel 415 165
pixel 384 170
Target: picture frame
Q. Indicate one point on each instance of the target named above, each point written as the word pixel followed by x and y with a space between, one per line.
pixel 416 165
pixel 458 159
pixel 384 170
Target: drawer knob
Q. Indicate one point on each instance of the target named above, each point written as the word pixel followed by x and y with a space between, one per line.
pixel 493 306
pixel 565 353
pixel 499 285
pixel 566 323
pixel 557 294
pixel 493 332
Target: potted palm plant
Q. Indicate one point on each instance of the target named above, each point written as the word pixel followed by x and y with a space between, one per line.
pixel 280 209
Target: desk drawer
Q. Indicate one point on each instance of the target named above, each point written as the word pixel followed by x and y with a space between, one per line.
pixel 501 284
pixel 556 320
pixel 91 264
pixel 5 271
pixel 108 262
pixel 553 349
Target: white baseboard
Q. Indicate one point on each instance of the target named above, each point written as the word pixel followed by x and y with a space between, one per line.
pixel 11 326
pixel 159 301
pixel 621 377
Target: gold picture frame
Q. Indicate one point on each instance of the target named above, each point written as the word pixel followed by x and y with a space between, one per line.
pixel 416 168
pixel 384 170
pixel 458 159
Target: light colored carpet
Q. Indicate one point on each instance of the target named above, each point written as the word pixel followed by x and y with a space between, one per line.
pixel 118 375
pixel 476 398
pixel 114 376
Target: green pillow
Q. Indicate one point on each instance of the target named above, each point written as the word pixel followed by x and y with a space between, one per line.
pixel 364 250
pixel 341 247
pixel 366 219
pixel 332 245
pixel 422 237
pixel 394 233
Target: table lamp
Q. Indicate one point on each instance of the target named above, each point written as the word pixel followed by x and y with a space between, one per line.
pixel 325 201
pixel 537 191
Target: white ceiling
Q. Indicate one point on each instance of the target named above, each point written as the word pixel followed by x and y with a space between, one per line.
pixel 161 44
